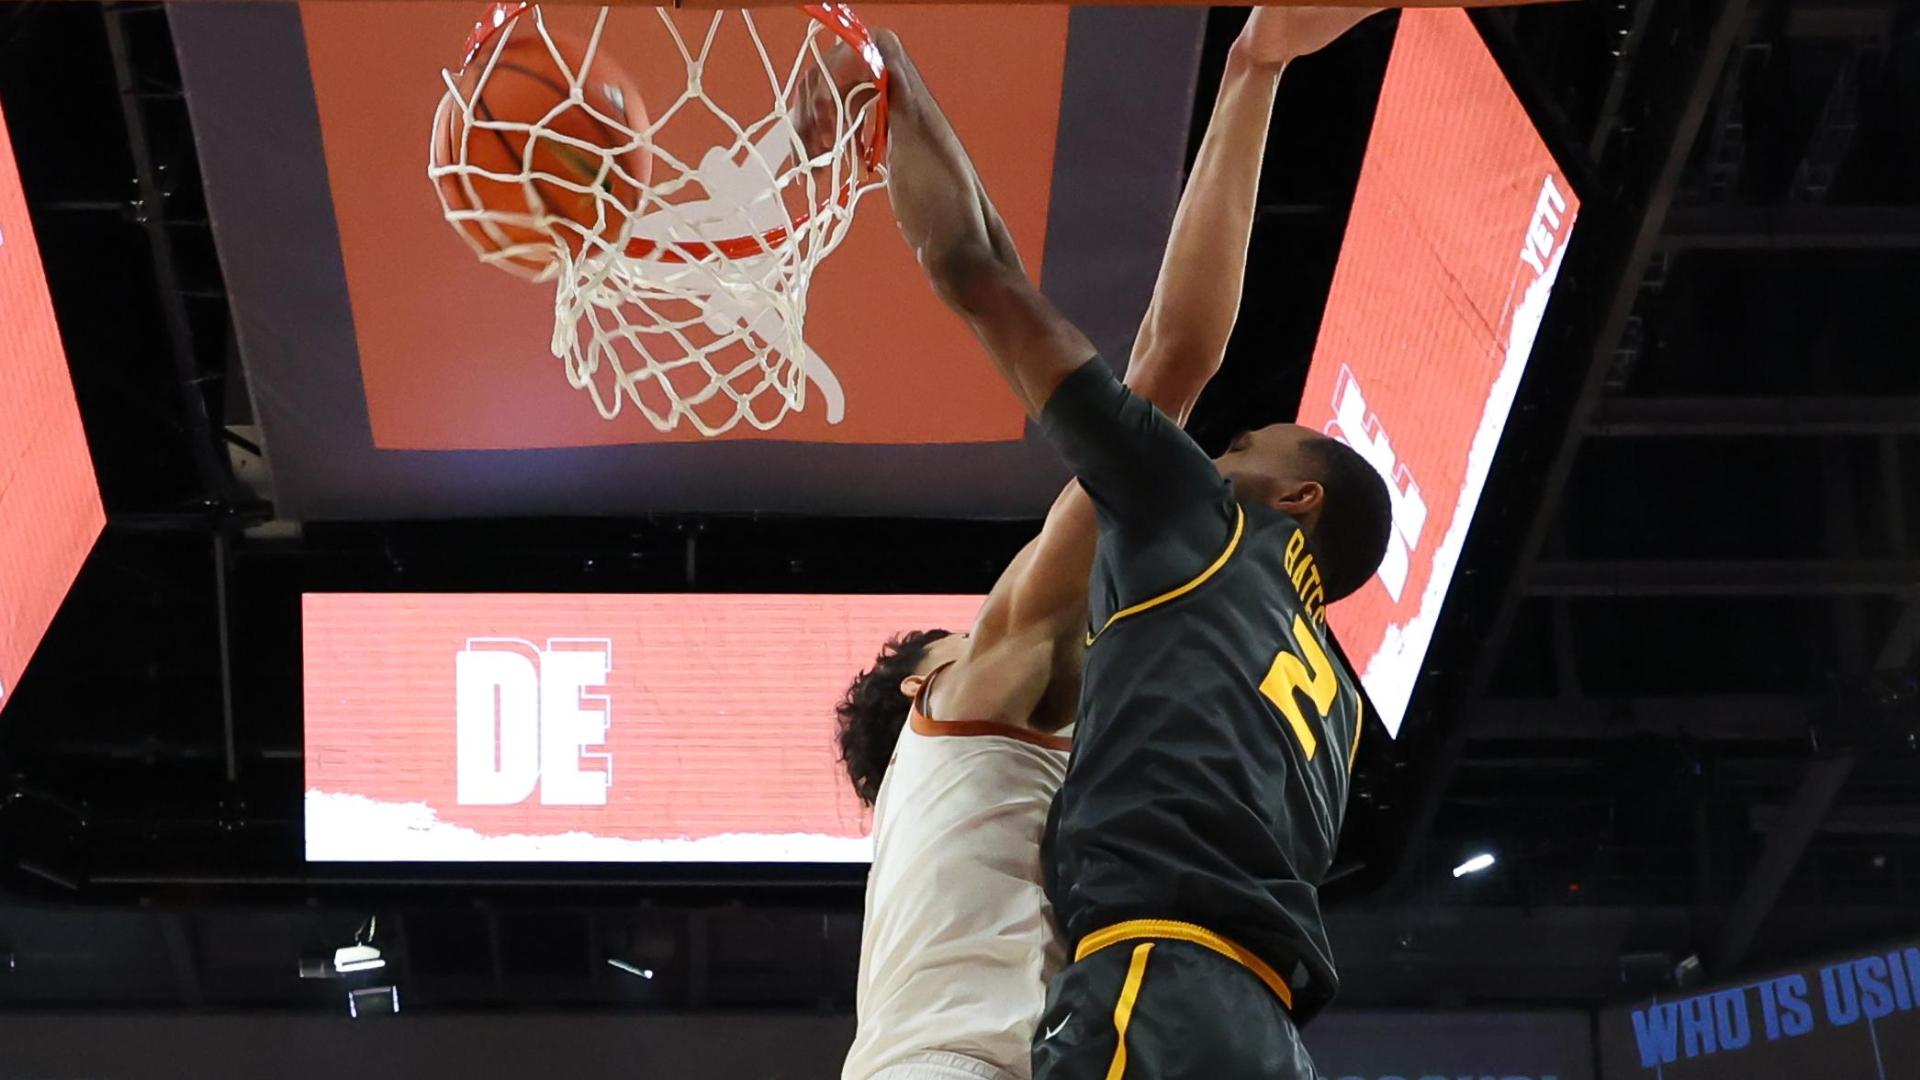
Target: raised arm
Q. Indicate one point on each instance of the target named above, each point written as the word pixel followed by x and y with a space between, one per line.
pixel 950 223
pixel 960 241
pixel 1196 300
pixel 1130 459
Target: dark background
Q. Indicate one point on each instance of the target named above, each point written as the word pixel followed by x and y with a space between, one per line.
pixel 1358 1046
pixel 1675 692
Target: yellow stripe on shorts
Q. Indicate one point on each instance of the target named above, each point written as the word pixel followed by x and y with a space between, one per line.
pixel 1123 1009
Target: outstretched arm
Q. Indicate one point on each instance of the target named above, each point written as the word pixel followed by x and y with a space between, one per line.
pixel 1196 300
pixel 951 225
pixel 963 245
pixel 1131 460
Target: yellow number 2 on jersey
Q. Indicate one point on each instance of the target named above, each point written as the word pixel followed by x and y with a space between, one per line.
pixel 1313 676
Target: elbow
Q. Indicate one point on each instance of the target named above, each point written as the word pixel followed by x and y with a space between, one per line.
pixel 968 275
pixel 1193 339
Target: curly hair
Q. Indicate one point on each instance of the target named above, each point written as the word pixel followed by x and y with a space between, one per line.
pixel 873 710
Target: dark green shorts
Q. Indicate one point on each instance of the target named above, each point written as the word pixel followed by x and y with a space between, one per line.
pixel 1165 1010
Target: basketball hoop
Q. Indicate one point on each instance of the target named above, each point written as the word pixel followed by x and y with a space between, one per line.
pixel 682 261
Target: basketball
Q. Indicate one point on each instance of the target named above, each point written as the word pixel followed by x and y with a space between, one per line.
pixel 556 142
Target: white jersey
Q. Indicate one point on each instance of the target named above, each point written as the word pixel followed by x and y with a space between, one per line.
pixel 958 942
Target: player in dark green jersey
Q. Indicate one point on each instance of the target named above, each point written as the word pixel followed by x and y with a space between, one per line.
pixel 1217 725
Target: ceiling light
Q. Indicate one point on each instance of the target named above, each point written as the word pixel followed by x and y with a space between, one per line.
pixel 361 955
pixel 373 1001
pixel 645 973
pixel 354 958
pixel 1473 865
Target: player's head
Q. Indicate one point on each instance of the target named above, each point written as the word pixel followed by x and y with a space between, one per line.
pixel 875 705
pixel 1326 486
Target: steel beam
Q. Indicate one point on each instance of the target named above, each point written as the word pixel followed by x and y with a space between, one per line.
pixel 1796 827
pixel 1857 19
pixel 1846 820
pixel 140 750
pixel 1725 156
pixel 223 622
pixel 1893 494
pixel 1576 154
pixel 1717 417
pixel 1704 577
pixel 1785 845
pixel 1733 717
pixel 215 481
pixel 1794 228
pixel 1626 53
pixel 1644 200
pixel 1903 641
pixel 1841 524
pixel 1833 135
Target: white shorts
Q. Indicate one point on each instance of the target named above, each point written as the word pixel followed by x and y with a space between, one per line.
pixel 942 1067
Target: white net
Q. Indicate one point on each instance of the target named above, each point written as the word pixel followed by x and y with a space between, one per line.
pixel 680 244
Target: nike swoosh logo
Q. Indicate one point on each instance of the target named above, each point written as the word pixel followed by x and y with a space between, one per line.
pixel 1055 1030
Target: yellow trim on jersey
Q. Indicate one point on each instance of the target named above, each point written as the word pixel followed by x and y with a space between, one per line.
pixel 1171 930
pixel 1359 724
pixel 1123 1010
pixel 1239 526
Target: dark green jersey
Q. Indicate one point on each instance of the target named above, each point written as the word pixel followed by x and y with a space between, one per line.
pixel 1217 725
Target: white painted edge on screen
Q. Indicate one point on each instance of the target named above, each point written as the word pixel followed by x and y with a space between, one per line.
pixel 1394 669
pixel 354 828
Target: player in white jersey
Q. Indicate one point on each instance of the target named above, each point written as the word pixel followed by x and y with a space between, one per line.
pixel 957 926
pixel 957 740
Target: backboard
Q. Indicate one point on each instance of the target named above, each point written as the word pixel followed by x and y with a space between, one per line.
pixel 396 376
